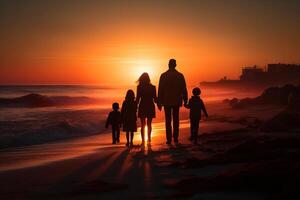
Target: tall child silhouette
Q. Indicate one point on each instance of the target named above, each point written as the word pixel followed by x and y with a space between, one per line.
pixel 195 105
pixel 128 113
pixel 114 119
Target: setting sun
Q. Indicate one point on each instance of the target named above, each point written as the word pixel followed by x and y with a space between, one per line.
pixel 139 66
pixel 142 66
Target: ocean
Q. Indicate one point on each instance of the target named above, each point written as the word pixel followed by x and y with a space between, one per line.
pixel 38 114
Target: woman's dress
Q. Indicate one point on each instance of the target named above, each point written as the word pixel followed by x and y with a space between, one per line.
pixel 146 97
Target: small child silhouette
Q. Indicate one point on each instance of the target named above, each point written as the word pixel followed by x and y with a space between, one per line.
pixel 114 119
pixel 195 105
pixel 129 118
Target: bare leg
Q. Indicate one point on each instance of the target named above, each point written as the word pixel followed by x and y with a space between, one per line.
pixel 149 126
pixel 143 124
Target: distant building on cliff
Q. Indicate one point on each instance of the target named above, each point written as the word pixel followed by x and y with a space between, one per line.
pixel 272 74
pixel 252 74
pixel 277 73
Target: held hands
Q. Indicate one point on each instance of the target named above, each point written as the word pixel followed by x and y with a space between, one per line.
pixel 159 107
pixel 206 117
pixel 186 105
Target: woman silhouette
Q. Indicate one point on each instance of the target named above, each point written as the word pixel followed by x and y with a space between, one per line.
pixel 146 97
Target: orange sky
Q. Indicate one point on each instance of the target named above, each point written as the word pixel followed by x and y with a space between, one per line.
pixel 112 42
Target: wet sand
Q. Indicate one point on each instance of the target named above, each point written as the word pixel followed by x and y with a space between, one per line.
pixel 59 169
pixel 93 168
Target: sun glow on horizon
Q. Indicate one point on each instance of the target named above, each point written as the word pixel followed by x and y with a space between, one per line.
pixel 138 66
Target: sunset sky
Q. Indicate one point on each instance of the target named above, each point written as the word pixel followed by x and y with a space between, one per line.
pixel 113 42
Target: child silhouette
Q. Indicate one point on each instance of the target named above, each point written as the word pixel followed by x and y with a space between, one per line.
pixel 114 119
pixel 196 105
pixel 129 118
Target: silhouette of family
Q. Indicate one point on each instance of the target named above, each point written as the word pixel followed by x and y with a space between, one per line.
pixel 172 92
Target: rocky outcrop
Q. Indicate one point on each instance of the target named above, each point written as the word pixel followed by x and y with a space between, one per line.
pixel 288 95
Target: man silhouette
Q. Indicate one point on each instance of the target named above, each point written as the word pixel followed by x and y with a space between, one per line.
pixel 171 91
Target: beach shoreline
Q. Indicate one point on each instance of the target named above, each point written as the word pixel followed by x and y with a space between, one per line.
pixel 89 167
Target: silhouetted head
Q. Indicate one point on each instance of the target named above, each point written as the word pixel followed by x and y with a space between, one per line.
pixel 144 79
pixel 115 106
pixel 172 63
pixel 130 95
pixel 196 91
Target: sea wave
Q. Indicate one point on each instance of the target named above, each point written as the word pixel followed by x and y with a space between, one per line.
pixel 47 127
pixel 37 100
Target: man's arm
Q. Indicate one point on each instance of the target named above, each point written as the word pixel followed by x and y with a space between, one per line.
pixel 160 92
pixel 184 91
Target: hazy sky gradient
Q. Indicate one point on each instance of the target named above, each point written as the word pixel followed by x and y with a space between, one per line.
pixel 112 42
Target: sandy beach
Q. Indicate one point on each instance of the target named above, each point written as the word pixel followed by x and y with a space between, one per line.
pixel 91 167
pixel 135 171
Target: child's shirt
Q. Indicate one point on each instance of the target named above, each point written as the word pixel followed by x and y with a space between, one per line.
pixel 114 119
pixel 195 105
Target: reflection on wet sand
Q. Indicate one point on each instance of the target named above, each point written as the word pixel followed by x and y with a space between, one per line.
pixel 87 164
